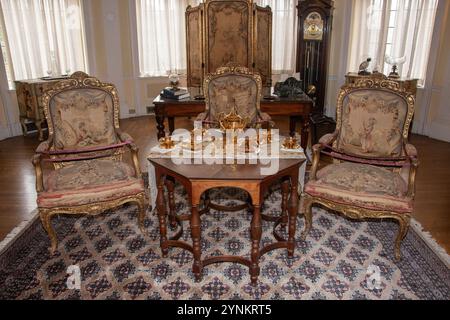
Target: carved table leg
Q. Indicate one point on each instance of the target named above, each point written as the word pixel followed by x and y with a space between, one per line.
pixel 207 201
pixel 305 132
pixel 293 210
pixel 24 126
pixel 196 244
pixel 160 126
pixel 307 212
pixel 256 232
pixel 171 121
pixel 171 188
pixel 292 125
pixel 161 208
pixel 284 202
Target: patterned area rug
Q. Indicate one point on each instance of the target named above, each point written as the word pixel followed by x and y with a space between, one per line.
pixel 118 262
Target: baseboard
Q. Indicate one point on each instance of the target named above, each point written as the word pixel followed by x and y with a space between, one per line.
pixel 13 130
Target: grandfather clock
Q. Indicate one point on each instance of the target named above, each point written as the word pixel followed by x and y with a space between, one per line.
pixel 314 35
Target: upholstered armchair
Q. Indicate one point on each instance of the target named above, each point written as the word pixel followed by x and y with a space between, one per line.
pixel 233 86
pixel 86 174
pixel 374 167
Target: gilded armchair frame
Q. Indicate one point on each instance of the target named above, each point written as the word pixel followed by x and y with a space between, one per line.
pixel 327 145
pixel 234 70
pixel 46 152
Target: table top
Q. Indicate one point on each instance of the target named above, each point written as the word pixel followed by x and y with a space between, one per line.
pixel 273 100
pixel 43 80
pixel 224 171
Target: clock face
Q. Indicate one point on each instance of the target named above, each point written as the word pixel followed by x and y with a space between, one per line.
pixel 313 27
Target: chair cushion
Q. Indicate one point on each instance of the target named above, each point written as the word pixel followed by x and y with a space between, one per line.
pixel 361 185
pixel 89 182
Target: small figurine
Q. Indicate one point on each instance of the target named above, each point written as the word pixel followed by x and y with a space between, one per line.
pixel 291 143
pixel 394 62
pixel 174 80
pixel 394 74
pixel 363 67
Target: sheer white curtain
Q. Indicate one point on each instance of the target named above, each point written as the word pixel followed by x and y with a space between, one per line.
pixel 43 37
pixel 162 36
pixel 284 34
pixel 393 28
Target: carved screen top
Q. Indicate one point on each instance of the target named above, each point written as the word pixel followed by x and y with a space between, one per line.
pixel 228 36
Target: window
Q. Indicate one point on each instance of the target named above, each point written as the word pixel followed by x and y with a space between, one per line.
pixel 162 36
pixel 41 38
pixel 393 31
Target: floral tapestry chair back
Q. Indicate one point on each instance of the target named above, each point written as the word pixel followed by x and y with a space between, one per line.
pixel 233 86
pixel 83 113
pixel 372 121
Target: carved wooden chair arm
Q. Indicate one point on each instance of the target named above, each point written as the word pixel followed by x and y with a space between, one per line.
pixel 325 142
pixel 44 146
pixel 37 163
pixel 410 150
pixel 327 148
pixel 413 163
pixel 126 138
pixel 328 139
pixel 202 117
pixel 264 116
pixel 316 151
pixel 84 150
pixel 265 120
pixel 36 160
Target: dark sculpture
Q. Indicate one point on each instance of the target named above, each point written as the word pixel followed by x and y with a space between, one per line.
pixel 289 88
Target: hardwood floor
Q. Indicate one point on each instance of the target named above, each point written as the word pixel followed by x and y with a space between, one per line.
pixel 18 195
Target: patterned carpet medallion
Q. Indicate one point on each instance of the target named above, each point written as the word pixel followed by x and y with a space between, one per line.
pixel 117 262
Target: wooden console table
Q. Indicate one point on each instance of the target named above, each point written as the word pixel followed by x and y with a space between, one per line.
pixel 410 85
pixel 297 109
pixel 29 99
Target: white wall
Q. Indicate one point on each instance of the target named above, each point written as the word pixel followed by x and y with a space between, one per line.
pixel 436 115
pixel 339 47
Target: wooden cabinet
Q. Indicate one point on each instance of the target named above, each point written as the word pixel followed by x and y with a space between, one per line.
pixel 29 99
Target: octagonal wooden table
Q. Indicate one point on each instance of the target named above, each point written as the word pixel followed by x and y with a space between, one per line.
pixel 198 179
